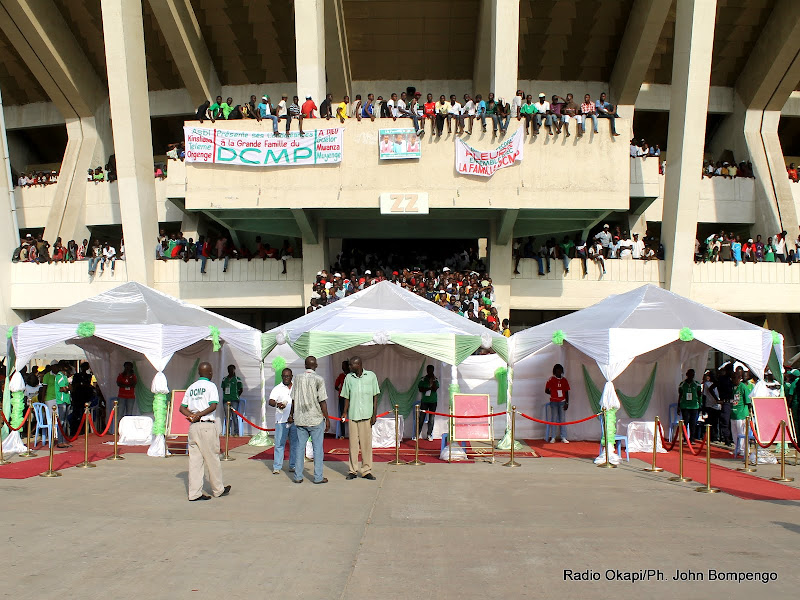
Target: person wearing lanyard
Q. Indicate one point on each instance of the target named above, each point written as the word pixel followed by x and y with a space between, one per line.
pixel 231 392
pixel 689 394
pixel 198 406
pixel 557 387
pixel 361 392
pixel 281 398
pixel 126 381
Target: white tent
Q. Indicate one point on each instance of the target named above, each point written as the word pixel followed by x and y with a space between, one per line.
pixel 128 321
pixel 385 313
pixel 646 323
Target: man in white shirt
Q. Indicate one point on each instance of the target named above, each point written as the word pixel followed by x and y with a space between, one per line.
pixel 604 237
pixel 516 105
pixel 109 255
pixel 198 406
pixel 281 398
pixel 454 114
pixel 391 106
pixel 637 251
pixel 625 248
pixel 543 112
pixel 468 112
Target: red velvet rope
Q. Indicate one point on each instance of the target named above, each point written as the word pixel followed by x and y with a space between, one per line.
pixel 25 418
pixel 345 420
pixel 772 441
pixel 248 421
pixel 108 425
pixel 789 435
pixel 75 437
pixel 522 414
pixel 689 441
pixel 664 443
pixel 431 412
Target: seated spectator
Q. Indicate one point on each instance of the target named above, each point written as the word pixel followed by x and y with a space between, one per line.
pixel 109 256
pixel 588 111
pixel 468 111
pixel 655 150
pixel 158 172
pixel 605 110
pixel 571 111
pixel 98 175
pixel 791 170
pixel 326 108
pixel 294 112
pixel 308 108
pixel 265 112
pixel 516 105
pixel 204 112
pixel 557 104
pixel 528 112
pixel 95 256
pixel 59 252
pixel 454 113
pixel 596 252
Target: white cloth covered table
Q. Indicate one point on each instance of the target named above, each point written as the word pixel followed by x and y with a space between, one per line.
pixel 135 431
pixel 640 437
pixel 383 432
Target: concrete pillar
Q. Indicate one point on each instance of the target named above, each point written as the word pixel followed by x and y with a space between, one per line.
pixel 130 113
pixel 691 72
pixel 190 225
pixel 182 32
pixel 9 234
pixel 315 259
pixel 309 25
pixel 337 54
pixel 497 49
pixel 501 266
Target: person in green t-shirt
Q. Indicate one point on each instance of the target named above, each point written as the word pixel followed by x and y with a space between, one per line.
pixel 49 384
pixel 63 401
pixel 231 392
pixel 566 249
pixel 689 393
pixel 226 108
pixel 428 386
pixel 215 110
pixel 740 410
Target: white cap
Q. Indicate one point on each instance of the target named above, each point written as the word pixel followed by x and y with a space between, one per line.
pixel 606 226
pixel 53 363
pixel 328 285
pixel 319 272
pixel 367 272
pixel 445 270
pixel 337 274
pixel 308 97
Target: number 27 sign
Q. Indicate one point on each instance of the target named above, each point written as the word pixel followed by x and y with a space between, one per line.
pixel 404 204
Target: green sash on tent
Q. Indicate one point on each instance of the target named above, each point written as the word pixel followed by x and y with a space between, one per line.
pixel 404 400
pixel 635 406
pixel 144 397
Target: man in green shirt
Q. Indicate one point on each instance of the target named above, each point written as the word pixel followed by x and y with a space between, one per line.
pixel 740 410
pixel 360 393
pixel 226 107
pixel 527 110
pixel 216 109
pixel 49 384
pixel 689 393
pixel 63 400
pixel 429 386
pixel 231 392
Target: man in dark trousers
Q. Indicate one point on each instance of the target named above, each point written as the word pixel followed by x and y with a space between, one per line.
pixel 429 387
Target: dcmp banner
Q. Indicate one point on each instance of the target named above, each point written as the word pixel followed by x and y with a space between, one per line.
pixel 470 161
pixel 262 149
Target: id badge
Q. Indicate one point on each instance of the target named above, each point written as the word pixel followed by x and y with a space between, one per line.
pixel 689 397
pixel 559 393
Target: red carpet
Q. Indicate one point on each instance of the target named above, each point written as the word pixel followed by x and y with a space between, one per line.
pixel 560 450
pixel 729 480
pixel 23 468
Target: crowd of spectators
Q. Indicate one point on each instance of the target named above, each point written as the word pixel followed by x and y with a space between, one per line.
pixel 727 170
pixel 176 246
pixel 457 282
pixel 37 179
pixel 457 115
pixel 722 247
pixel 604 245
pixel 641 149
pixel 38 250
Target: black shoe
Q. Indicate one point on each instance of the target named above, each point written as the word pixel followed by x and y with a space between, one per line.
pixel 369 476
pixel 225 491
pixel 297 480
pixel 351 476
pixel 203 497
pixel 323 480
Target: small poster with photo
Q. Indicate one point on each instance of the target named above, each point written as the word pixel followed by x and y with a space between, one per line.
pixel 398 143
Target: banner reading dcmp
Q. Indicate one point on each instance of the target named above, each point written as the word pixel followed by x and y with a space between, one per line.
pixel 262 149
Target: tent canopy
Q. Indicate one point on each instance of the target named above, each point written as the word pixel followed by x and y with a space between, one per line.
pixel 135 317
pixel 616 330
pixel 381 314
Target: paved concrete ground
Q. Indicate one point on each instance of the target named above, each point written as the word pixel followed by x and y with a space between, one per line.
pixel 461 531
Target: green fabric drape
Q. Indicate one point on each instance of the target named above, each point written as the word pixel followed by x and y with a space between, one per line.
pixel 466 346
pixel 159 414
pixel 323 343
pixel 500 346
pixel 635 406
pixel 17 406
pixel 501 375
pixel 278 365
pixel 775 366
pixel 144 397
pixel 268 343
pixel 12 359
pixel 404 400
pixel 611 428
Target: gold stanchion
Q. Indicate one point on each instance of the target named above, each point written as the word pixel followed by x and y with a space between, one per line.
pixel 450 433
pixel 28 452
pixel 653 468
pixel 86 464
pixel 116 455
pixel 747 468
pixel 606 464
pixel 680 476
pixel 511 462
pixel 227 435
pixel 50 472
pixel 416 461
pixel 783 476
pixel 397 460
pixel 708 489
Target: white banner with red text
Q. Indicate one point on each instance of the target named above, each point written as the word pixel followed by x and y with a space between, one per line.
pixel 262 149
pixel 470 161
